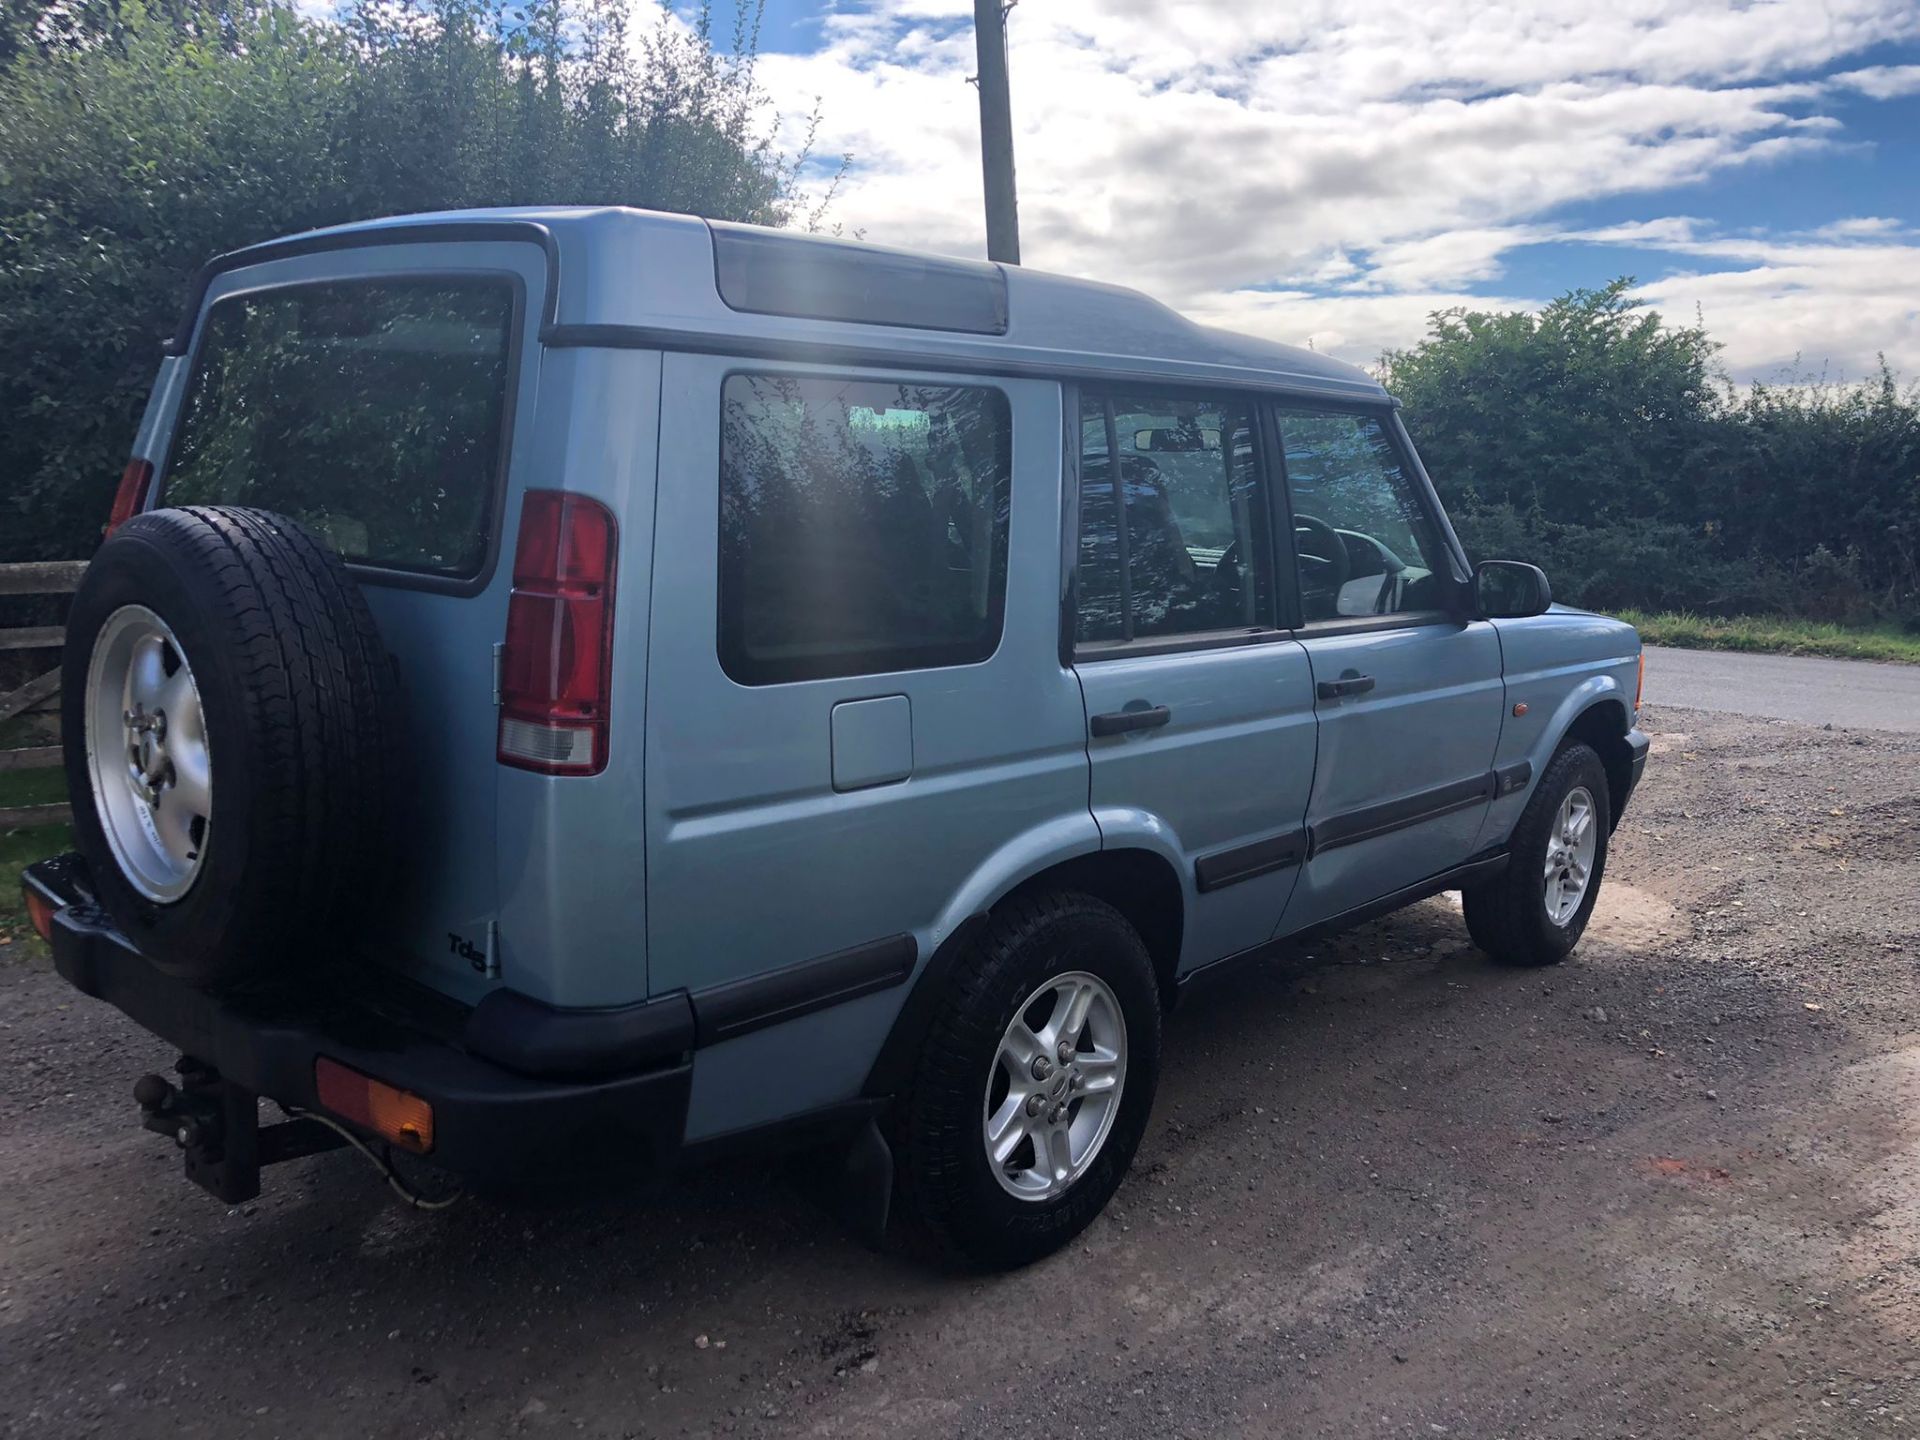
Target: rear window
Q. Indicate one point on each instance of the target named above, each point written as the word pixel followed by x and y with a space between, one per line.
pixel 372 411
pixel 863 526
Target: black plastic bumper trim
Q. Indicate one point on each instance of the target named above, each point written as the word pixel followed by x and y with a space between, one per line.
pixel 1637 747
pixel 489 1123
pixel 1245 862
pixel 535 1038
pixel 739 1007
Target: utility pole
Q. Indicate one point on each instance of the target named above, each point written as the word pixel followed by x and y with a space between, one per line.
pixel 996 131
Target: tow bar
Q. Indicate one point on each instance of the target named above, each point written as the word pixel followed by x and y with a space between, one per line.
pixel 217 1126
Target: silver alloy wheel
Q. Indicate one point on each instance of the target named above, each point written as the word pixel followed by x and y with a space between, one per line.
pixel 1054 1089
pixel 147 753
pixel 1571 846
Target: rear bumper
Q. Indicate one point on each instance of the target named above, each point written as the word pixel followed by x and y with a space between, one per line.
pixel 491 1124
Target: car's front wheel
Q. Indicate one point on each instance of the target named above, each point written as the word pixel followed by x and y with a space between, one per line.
pixel 1034 1087
pixel 1535 911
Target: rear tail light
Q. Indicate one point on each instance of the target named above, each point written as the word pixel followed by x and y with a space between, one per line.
pixel 395 1115
pixel 131 496
pixel 1640 683
pixel 556 665
pixel 39 912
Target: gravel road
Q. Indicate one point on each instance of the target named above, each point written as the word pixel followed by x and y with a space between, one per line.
pixel 1670 1188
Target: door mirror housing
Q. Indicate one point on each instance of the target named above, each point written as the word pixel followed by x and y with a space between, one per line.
pixel 1510 590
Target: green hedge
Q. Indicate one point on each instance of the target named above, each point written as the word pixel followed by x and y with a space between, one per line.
pixel 1595 440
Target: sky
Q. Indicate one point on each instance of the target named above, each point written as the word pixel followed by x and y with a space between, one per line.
pixel 1330 172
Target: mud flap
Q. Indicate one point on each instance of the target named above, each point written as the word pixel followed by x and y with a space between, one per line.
pixel 866 1184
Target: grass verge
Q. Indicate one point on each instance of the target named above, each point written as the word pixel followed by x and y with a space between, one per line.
pixel 1775 636
pixel 20 848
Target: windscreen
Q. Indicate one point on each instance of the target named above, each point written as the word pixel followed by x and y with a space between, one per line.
pixel 371 411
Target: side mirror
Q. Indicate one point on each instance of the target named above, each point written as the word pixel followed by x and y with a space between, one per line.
pixel 1510 590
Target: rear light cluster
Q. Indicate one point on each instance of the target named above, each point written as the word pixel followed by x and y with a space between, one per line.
pixel 558 659
pixel 131 496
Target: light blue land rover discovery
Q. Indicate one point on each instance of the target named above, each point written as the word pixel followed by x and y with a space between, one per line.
pixel 571 690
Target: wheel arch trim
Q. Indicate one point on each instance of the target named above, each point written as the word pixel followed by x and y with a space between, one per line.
pixel 1028 858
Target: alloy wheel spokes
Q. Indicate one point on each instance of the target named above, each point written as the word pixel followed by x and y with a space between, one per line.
pixel 1572 845
pixel 147 753
pixel 1055 1086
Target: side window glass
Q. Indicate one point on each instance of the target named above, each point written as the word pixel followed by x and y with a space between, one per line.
pixel 1190 554
pixel 1364 543
pixel 863 525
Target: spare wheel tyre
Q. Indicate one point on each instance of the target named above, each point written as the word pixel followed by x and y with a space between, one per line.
pixel 229 715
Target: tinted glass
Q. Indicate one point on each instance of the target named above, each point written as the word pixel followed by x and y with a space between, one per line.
pixel 776 272
pixel 1364 541
pixel 863 525
pixel 370 411
pixel 1195 552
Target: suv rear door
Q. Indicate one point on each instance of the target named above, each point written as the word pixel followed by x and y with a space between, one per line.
pixel 1409 693
pixel 379 392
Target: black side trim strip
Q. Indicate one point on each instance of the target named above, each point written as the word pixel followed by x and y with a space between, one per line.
pixel 429 234
pixel 723 1012
pixel 534 1038
pixel 1244 862
pixel 1510 778
pixel 1374 820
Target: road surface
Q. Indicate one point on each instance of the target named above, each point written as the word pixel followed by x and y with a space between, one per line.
pixel 1847 694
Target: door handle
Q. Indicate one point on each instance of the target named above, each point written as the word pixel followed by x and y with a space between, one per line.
pixel 1345 685
pixel 1119 722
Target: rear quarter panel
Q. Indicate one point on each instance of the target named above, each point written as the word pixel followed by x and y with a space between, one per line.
pixel 572 849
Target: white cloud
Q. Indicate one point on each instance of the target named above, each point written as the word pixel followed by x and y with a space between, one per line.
pixel 1334 169
pixel 1882 82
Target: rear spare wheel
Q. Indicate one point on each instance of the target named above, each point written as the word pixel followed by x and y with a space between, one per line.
pixel 228 713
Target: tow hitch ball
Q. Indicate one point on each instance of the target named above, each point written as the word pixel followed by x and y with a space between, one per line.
pixel 217 1126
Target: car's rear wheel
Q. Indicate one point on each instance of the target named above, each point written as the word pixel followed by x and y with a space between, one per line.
pixel 1535 911
pixel 1034 1088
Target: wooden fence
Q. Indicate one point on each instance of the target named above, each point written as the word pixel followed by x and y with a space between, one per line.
pixel 48 577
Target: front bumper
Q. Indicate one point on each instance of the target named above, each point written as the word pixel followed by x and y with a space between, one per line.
pixel 490 1124
pixel 1637 746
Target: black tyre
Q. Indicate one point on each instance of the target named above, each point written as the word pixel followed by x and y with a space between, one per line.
pixel 229 715
pixel 1037 958
pixel 1534 911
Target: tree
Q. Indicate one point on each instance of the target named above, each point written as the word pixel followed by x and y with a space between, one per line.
pixel 140 137
pixel 1591 411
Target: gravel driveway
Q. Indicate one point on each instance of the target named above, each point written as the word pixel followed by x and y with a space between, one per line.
pixel 1670 1188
